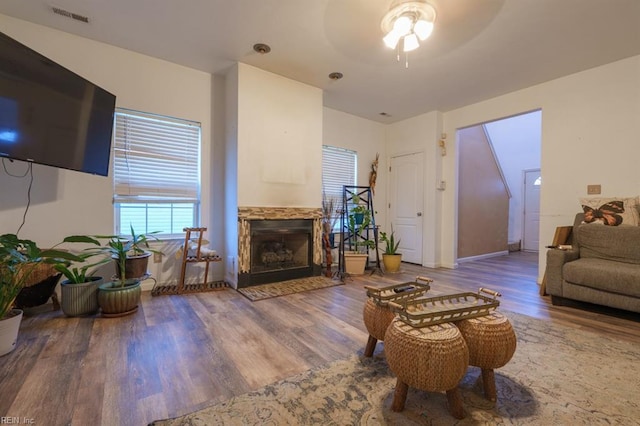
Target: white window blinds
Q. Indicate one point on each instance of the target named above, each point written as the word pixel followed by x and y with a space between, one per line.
pixel 338 169
pixel 155 158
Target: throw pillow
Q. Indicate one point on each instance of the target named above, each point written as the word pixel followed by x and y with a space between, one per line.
pixel 611 211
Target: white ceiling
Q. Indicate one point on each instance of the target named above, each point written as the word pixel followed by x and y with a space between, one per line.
pixel 479 49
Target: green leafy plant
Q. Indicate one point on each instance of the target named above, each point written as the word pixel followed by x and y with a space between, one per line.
pixel 18 260
pixel 79 274
pixel 119 248
pixel 359 209
pixel 116 248
pixel 357 230
pixel 135 244
pixel 140 242
pixel 391 245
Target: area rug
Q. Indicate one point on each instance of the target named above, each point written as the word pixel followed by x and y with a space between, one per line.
pixel 558 376
pixel 282 288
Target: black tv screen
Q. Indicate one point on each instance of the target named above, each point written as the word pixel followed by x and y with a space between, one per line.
pixel 50 115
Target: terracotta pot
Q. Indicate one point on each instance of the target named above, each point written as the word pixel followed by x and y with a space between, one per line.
pixel 80 299
pixel 117 301
pixel 392 262
pixel 9 327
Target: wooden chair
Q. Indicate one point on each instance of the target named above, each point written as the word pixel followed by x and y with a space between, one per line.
pixel 189 256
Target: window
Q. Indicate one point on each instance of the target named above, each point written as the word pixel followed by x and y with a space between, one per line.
pixel 156 173
pixel 339 167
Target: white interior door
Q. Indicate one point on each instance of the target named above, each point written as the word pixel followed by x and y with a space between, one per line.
pixel 531 228
pixel 407 204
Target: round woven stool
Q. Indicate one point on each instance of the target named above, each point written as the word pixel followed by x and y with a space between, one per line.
pixel 432 359
pixel 377 319
pixel 492 343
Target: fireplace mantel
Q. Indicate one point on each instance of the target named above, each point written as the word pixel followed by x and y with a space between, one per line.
pixel 266 213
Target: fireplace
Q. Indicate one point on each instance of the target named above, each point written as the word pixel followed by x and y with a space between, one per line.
pixel 278 244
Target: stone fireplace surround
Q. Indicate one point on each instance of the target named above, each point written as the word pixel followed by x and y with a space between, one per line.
pixel 248 214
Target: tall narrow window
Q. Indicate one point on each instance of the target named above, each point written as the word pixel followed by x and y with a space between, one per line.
pixel 339 167
pixel 156 173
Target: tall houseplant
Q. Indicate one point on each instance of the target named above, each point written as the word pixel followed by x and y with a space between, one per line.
pixel 130 253
pixel 137 255
pixel 390 257
pixel 356 261
pixel 358 230
pixel 358 210
pixel 122 295
pixel 19 258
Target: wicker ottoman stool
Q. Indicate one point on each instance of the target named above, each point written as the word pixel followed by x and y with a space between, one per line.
pixel 376 313
pixel 491 342
pixel 432 359
pixel 377 319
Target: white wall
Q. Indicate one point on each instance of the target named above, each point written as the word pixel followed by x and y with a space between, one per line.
pixel 279 141
pixel 367 138
pixel 65 202
pixel 422 134
pixel 590 131
pixel 516 142
pixel 231 176
pixel 273 144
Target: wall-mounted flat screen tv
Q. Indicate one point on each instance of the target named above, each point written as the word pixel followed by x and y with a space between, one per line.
pixel 50 115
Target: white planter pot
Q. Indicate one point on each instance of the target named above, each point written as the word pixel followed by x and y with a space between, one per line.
pixel 9 328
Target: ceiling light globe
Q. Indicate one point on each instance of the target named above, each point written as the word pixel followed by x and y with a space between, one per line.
pixel 423 29
pixel 402 25
pixel 391 40
pixel 410 43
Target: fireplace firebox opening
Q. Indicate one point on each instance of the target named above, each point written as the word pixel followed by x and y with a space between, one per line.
pixel 280 250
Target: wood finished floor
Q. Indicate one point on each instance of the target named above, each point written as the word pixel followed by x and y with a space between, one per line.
pixel 178 354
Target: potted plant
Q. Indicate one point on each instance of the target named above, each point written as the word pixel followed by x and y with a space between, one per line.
pixel 390 257
pixel 79 290
pixel 138 252
pixel 121 296
pixel 356 261
pixel 19 258
pixel 137 258
pixel 358 210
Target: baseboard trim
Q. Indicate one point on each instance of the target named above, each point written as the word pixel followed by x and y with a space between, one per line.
pixel 483 256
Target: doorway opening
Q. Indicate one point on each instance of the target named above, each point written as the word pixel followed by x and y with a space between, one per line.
pixel 496 212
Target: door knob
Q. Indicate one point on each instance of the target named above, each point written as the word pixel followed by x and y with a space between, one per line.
pixel 419 214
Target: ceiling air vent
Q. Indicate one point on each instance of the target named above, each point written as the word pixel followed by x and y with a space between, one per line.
pixel 68 14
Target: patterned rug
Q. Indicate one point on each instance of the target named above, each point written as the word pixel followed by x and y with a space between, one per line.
pixel 282 288
pixel 558 376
